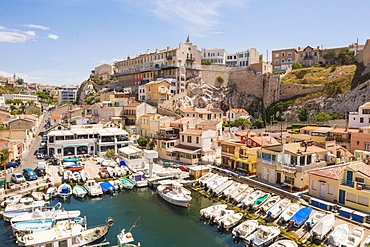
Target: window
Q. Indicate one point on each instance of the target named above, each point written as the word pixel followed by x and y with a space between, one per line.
pixel 314 185
pixel 357 142
pixel 49 245
pixel 273 157
pixel 276 55
pixel 189 139
pixel 361 119
pixel 330 189
pixel 197 140
pixel 351 197
pixel 62 243
pixel 182 138
pixel 289 180
pixel 283 54
pixel 276 61
pixel 367 146
pixel 289 54
pixel 301 55
pixel 363 200
pixel 282 61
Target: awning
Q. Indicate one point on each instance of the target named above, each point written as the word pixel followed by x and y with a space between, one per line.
pixel 183 150
pixel 130 150
pixel 75 145
pixel 56 133
pixel 80 132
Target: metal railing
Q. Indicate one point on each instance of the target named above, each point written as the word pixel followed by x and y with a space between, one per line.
pixel 348 183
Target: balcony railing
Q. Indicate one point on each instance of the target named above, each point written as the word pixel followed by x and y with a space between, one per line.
pixel 348 183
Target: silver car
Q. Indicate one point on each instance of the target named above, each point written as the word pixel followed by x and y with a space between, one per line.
pixel 18 178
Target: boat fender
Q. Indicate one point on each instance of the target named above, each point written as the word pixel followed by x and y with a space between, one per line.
pixel 180 191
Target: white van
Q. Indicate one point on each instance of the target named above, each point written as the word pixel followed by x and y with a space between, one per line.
pixel 42 165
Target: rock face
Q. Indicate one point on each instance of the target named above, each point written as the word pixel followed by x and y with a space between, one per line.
pixel 346 102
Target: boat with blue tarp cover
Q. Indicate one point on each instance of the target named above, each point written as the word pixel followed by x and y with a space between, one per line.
pixel 107 187
pixel 70 160
pixel 300 217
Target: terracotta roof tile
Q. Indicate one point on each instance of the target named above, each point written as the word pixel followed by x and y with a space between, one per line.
pixel 333 172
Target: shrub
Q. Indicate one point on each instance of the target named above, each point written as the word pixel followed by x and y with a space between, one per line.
pixel 220 79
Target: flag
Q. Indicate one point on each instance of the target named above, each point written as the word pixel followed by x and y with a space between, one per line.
pixel 138 218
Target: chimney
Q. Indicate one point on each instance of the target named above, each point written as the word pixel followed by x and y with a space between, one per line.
pixel 156 50
pixel 318 47
pixel 168 48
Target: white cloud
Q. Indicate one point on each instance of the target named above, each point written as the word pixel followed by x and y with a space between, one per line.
pixel 15 35
pixel 194 16
pixel 36 26
pixel 53 36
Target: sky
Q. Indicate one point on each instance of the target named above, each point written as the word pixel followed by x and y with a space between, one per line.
pixel 59 42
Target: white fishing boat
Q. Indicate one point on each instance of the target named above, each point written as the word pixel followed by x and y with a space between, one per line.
pixel 207 212
pixel 260 200
pixel 234 186
pixel 11 200
pixel 230 221
pixel 284 243
pixel 289 212
pixel 245 229
pixel 139 179
pixel 52 191
pixel 338 235
pixel 41 225
pixel 112 172
pixel 315 218
pixel 39 196
pixel 222 187
pixel 216 183
pixel 251 198
pixel 85 175
pixel 118 171
pixel 116 184
pixel 353 238
pixel 264 236
pixel 244 195
pixel 64 190
pixel 71 235
pixel 205 177
pixel 278 208
pixel 235 193
pixel 322 228
pixel 270 203
pixel 209 180
pixel 24 204
pixel 219 215
pixel 125 170
pixel 76 176
pixel 175 194
pixel 93 188
pixel 366 243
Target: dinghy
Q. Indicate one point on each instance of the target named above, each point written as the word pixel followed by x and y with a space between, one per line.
pixel 353 238
pixel 203 179
pixel 218 216
pixel 338 235
pixel 79 191
pixel 103 173
pixel 222 187
pixel 234 186
pixel 67 176
pixel 38 196
pixel 64 190
pixel 236 193
pixel 124 238
pixel 300 217
pixel 289 212
pixel 323 227
pixel 84 175
pixel 264 236
pixel 230 221
pixel 270 203
pixel 278 208
pixel 112 173
pixel 127 183
pixel 245 229
pixel 118 171
pixel 252 197
pixel 76 177
pixel 206 213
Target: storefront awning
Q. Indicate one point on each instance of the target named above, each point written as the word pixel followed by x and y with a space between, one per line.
pixel 184 149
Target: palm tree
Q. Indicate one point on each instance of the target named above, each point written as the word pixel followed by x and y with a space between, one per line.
pixel 4 155
pixel 151 144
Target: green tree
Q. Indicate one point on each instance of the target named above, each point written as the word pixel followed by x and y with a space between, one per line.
pixel 303 115
pixel 4 156
pixel 142 141
pixel 220 79
pixel 151 144
pixel 110 153
pixel 321 117
pixel 241 122
pixel 35 111
pixel 9 101
pixel 20 81
pixel 331 55
pixel 337 115
pixel 346 56
pixel 296 65
pixel 259 123
pixel 17 101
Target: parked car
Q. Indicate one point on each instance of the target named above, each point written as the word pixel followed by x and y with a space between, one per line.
pixel 17 178
pixel 12 164
pixel 40 171
pixel 29 174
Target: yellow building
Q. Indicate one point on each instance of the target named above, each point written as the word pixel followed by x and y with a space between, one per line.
pixel 144 124
pixel 346 184
pixel 157 92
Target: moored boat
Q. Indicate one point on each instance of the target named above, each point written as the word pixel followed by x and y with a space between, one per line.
pixel 284 243
pixel 103 173
pixel 38 196
pixel 79 191
pixel 237 192
pixel 52 191
pixel 138 178
pixel 11 200
pixel 207 212
pixel 264 236
pixel 234 186
pixel 64 190
pixel 245 229
pixel 315 218
pixel 278 208
pixel 127 183
pixel 41 225
pixel 231 220
pixel 84 175
pixel 251 198
pixel 76 176
pixel 124 238
pixel 93 188
pixel 270 203
pixel 24 204
pixel 175 194
pixel 111 171
pixel 323 227
pixel 260 200
pixel 366 243
pixel 353 238
pixel 289 212
pixel 218 191
pixel 300 217
pixel 107 187
pixel 338 235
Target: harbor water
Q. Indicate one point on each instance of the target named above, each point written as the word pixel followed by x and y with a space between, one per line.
pixel 159 224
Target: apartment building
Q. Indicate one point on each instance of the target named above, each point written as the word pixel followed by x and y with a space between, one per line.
pixel 179 63
pixel 157 92
pixel 238 59
pixel 24 97
pixel 283 59
pixel 203 113
pixel 67 94
pixel 361 118
pixel 233 114
pixel 104 71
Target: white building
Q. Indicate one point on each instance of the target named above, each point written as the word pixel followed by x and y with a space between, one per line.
pixel 238 59
pixel 233 114
pixel 24 97
pixel 86 139
pixel 214 56
pixel 67 94
pixel 132 157
pixel 360 118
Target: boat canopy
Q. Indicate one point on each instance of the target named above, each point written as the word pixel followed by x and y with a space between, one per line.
pixel 70 160
pixel 106 186
pixel 301 216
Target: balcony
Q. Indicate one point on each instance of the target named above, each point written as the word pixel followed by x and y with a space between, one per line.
pixel 168 136
pixel 307 57
pixel 348 183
